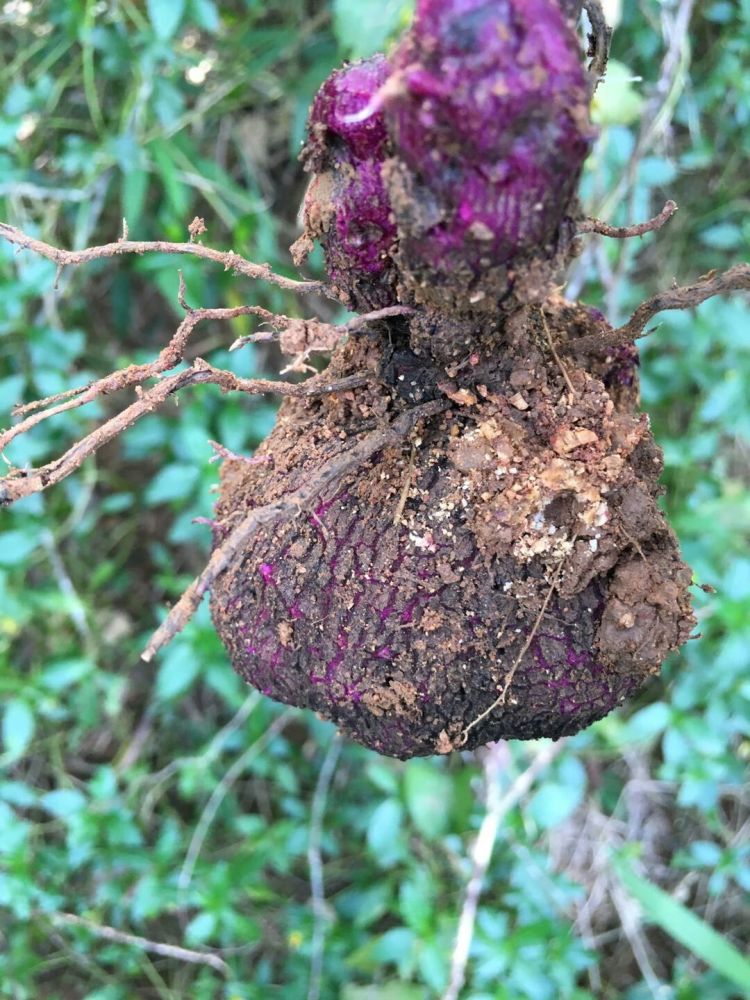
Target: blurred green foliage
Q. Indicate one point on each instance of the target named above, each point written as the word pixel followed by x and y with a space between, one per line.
pixel 171 803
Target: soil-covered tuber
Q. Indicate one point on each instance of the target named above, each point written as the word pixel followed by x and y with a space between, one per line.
pixel 510 557
pixel 505 571
pixel 453 533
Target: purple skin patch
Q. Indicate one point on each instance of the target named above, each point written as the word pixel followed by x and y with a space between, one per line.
pixel 625 365
pixel 569 672
pixel 304 638
pixel 491 122
pixel 338 106
pixel 351 148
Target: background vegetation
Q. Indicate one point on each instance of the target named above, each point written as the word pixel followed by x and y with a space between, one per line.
pixel 143 808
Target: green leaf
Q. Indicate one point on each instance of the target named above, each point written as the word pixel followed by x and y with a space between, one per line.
pixel 416 904
pixel 165 16
pixel 649 723
pixel 18 794
pixel 364 28
pixel 723 236
pixel 134 191
pixel 178 670
pixel 63 674
pixel 383 775
pixel 200 928
pixel 617 101
pixel 554 803
pixel 173 482
pixel 63 802
pixel 384 833
pixel 17 546
pixel 11 392
pixel 205 14
pixel 685 927
pixel 429 793
pixel 178 195
pixel 18 728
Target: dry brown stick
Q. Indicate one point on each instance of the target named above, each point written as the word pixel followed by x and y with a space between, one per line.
pixel 556 356
pixel 500 700
pixel 626 232
pixel 599 41
pixel 168 358
pixel 406 489
pixel 230 260
pixel 315 866
pixel 154 947
pixel 497 807
pixel 24 482
pixel 38 404
pixel 284 509
pixel 737 278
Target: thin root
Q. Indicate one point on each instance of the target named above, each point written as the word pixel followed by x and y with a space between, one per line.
pixel 626 232
pixel 737 278
pixel 23 483
pixel 231 261
pixel 556 356
pixel 169 358
pixel 500 700
pixel 296 336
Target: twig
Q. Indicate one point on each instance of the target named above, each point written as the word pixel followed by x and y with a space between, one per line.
pixel 626 232
pixel 737 278
pixel 24 482
pixel 77 608
pixel 284 509
pixel 220 792
pixel 599 41
pixel 304 336
pixel 497 808
pixel 169 357
pixel 627 911
pixel 140 737
pixel 556 356
pixel 181 288
pixel 315 864
pixel 222 454
pixel 500 700
pixel 215 748
pixel 229 259
pixel 408 479
pixel 155 947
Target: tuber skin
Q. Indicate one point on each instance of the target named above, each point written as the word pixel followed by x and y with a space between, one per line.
pixel 490 128
pixel 346 205
pixel 446 175
pixel 505 572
